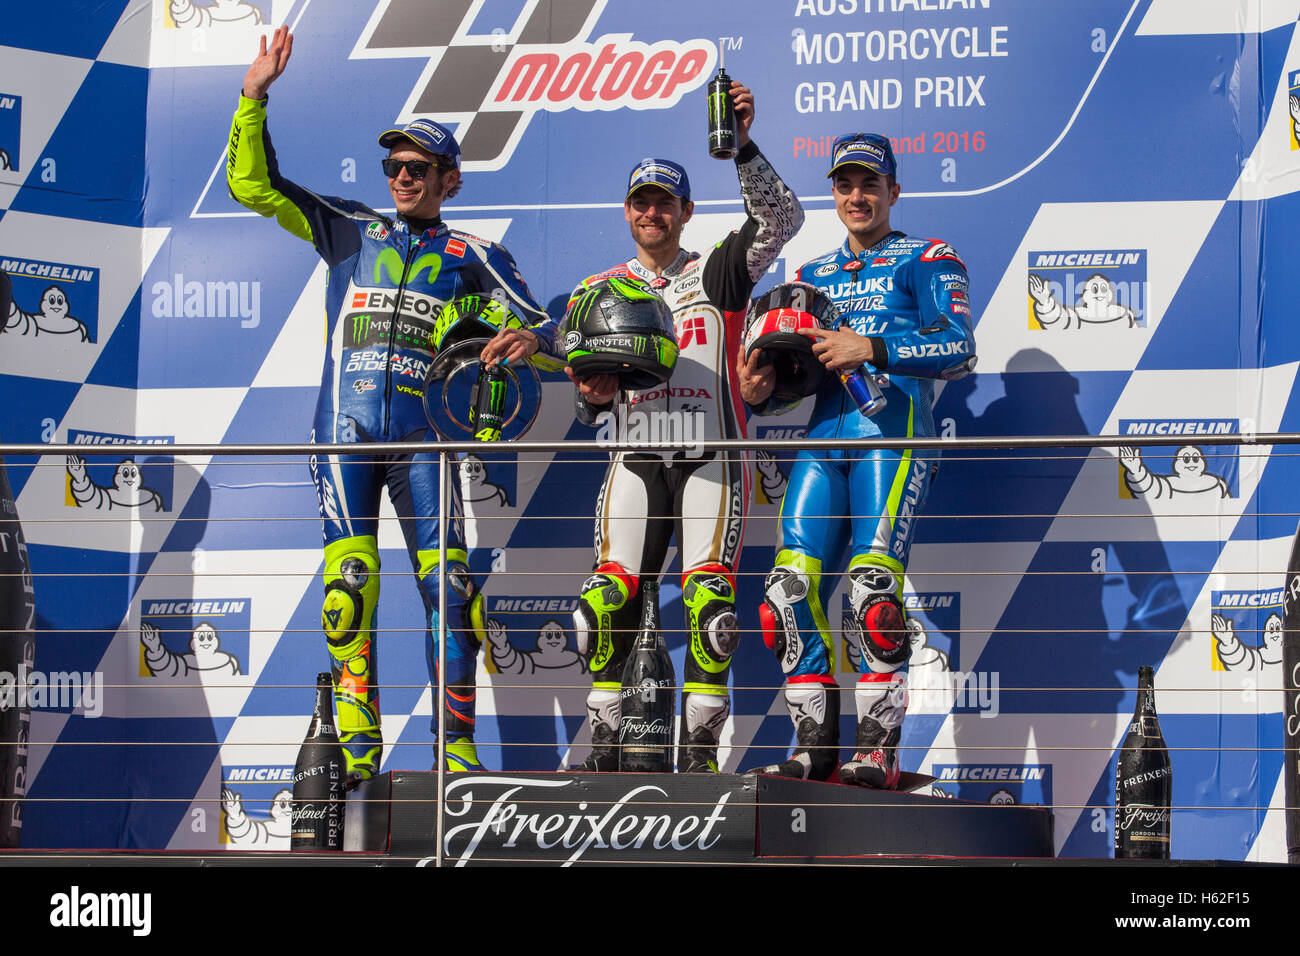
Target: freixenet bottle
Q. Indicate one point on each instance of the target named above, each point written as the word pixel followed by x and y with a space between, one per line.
pixel 649 696
pixel 724 135
pixel 318 798
pixel 1143 782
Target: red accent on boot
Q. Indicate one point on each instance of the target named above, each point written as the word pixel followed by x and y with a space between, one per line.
pixel 616 570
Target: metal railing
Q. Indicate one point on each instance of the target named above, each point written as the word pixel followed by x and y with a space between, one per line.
pixel 1263 445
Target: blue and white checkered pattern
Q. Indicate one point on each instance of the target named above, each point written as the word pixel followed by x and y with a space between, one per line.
pixel 1092 143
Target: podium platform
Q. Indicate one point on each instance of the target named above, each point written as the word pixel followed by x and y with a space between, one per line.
pixel 576 818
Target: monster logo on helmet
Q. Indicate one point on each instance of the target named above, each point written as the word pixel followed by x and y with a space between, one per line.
pixel 621 327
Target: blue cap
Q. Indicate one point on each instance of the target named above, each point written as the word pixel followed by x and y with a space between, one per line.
pixel 663 173
pixel 426 134
pixel 863 149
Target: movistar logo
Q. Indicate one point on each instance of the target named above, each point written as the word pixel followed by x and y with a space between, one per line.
pixel 390 261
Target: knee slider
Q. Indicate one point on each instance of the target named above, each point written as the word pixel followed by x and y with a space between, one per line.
pixel 709 594
pixel 603 595
pixel 463 585
pixel 784 589
pixel 880 617
pixel 351 593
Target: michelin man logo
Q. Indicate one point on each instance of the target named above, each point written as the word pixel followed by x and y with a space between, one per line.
pixel 187 14
pixel 1236 656
pixel 1293 102
pixel 772 480
pixel 552 655
pixel 1096 304
pixel 53 316
pixel 474 484
pixel 1189 476
pixel 248 833
pixel 128 490
pixel 205 659
pixel 6 164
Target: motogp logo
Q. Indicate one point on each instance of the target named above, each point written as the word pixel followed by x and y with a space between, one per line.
pixel 548 64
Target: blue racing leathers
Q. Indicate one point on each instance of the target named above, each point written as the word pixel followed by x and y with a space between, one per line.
pixel 909 296
pixel 386 285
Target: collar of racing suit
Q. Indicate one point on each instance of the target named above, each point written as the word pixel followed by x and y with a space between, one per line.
pixel 848 253
pixel 420 226
pixel 635 267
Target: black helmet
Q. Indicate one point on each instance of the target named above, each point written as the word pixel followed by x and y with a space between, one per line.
pixel 621 327
pixel 773 327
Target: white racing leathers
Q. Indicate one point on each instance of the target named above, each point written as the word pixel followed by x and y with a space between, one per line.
pixel 701 496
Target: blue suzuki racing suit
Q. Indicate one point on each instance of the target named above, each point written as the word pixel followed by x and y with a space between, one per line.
pixel 385 288
pixel 910 296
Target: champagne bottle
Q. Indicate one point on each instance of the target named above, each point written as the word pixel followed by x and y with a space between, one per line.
pixel 1143 782
pixel 649 696
pixel 318 779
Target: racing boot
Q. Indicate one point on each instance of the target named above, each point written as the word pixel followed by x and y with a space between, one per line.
pixel 703 716
pixel 709 597
pixel 882 703
pixel 603 625
pixel 360 738
pixel 348 619
pixel 814 706
pixel 462 755
pixel 603 716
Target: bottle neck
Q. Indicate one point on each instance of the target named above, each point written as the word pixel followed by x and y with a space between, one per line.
pixel 324 710
pixel 649 634
pixel 1147 702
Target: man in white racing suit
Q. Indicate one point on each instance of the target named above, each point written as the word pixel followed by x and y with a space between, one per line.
pixel 707 491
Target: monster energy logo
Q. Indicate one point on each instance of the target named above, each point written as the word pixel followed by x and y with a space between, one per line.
pixel 365 328
pixel 631 290
pixel 390 261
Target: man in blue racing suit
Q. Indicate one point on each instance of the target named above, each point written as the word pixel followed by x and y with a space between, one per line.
pixel 904 318
pixel 388 280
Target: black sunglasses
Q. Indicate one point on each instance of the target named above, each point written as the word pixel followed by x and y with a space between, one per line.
pixel 418 168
